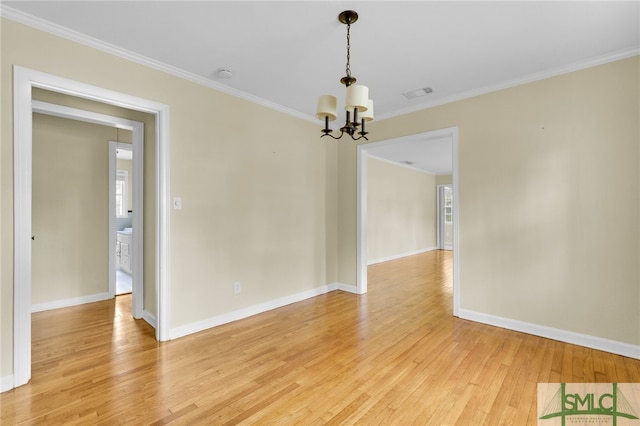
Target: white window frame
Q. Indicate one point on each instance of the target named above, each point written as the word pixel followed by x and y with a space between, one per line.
pixel 123 175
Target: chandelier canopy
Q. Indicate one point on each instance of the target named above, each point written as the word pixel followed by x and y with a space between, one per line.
pixel 358 106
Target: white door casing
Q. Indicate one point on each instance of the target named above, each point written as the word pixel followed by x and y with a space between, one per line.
pixel 24 80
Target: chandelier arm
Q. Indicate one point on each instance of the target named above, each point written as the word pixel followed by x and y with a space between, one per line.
pixel 361 137
pixel 334 137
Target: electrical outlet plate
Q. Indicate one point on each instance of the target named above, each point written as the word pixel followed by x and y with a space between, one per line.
pixel 237 287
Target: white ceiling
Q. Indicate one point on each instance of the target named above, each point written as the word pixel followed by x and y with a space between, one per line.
pixel 284 54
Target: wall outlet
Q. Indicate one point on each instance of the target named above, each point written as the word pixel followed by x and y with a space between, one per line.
pixel 237 287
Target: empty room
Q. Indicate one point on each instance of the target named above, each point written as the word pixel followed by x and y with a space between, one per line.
pixel 356 213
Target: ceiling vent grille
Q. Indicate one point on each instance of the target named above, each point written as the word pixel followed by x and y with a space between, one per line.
pixel 412 94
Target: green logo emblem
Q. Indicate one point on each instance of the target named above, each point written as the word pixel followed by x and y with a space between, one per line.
pixel 602 399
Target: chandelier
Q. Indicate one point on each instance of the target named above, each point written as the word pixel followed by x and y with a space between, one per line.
pixel 358 106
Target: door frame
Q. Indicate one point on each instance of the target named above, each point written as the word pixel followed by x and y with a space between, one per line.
pixel 137 130
pixel 137 240
pixel 361 209
pixel 24 80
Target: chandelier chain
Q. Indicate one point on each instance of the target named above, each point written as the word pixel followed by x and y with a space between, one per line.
pixel 348 69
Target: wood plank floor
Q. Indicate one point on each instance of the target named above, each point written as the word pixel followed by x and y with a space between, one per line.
pixel 393 356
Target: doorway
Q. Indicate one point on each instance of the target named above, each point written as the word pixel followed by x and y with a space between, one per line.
pixel 24 81
pixel 135 249
pixel 124 204
pixel 450 134
pixel 445 217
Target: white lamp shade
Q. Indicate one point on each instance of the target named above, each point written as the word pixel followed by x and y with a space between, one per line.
pixel 326 107
pixel 357 97
pixel 368 114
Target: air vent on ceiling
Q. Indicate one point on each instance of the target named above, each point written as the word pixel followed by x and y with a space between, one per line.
pixel 412 94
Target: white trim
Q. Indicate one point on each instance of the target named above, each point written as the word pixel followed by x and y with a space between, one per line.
pixel 599 60
pixel 400 256
pixel 163 232
pixel 137 221
pixel 112 218
pixel 22 178
pixel 346 287
pixel 361 208
pixel 137 135
pixel 6 383
pixel 217 320
pixel 456 224
pixel 24 80
pixel 150 318
pixel 593 342
pixel 361 220
pixel 439 225
pixel 60 31
pixel 65 303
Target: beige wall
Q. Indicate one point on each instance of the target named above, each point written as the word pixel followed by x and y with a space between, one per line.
pixel 545 169
pixel 258 206
pixel 401 210
pixel 70 209
pixel 444 179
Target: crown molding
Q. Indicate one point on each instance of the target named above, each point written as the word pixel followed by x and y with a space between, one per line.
pixel 599 60
pixel 60 31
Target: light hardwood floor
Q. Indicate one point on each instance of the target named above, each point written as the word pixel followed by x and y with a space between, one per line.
pixel 393 356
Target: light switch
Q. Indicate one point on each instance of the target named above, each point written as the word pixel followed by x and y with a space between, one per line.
pixel 177 203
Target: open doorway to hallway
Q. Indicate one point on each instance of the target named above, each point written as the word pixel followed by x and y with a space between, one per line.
pixel 26 81
pixel 83 198
pixel 398 184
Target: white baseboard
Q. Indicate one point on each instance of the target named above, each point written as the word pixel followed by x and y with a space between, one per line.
pixel 195 327
pixel 64 303
pixel 347 287
pixel 150 318
pixel 593 342
pixel 6 383
pixel 398 256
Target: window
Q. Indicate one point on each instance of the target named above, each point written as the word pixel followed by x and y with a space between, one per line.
pixel 122 183
pixel 448 205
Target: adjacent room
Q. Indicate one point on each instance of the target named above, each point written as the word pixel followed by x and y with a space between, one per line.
pixel 392 212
